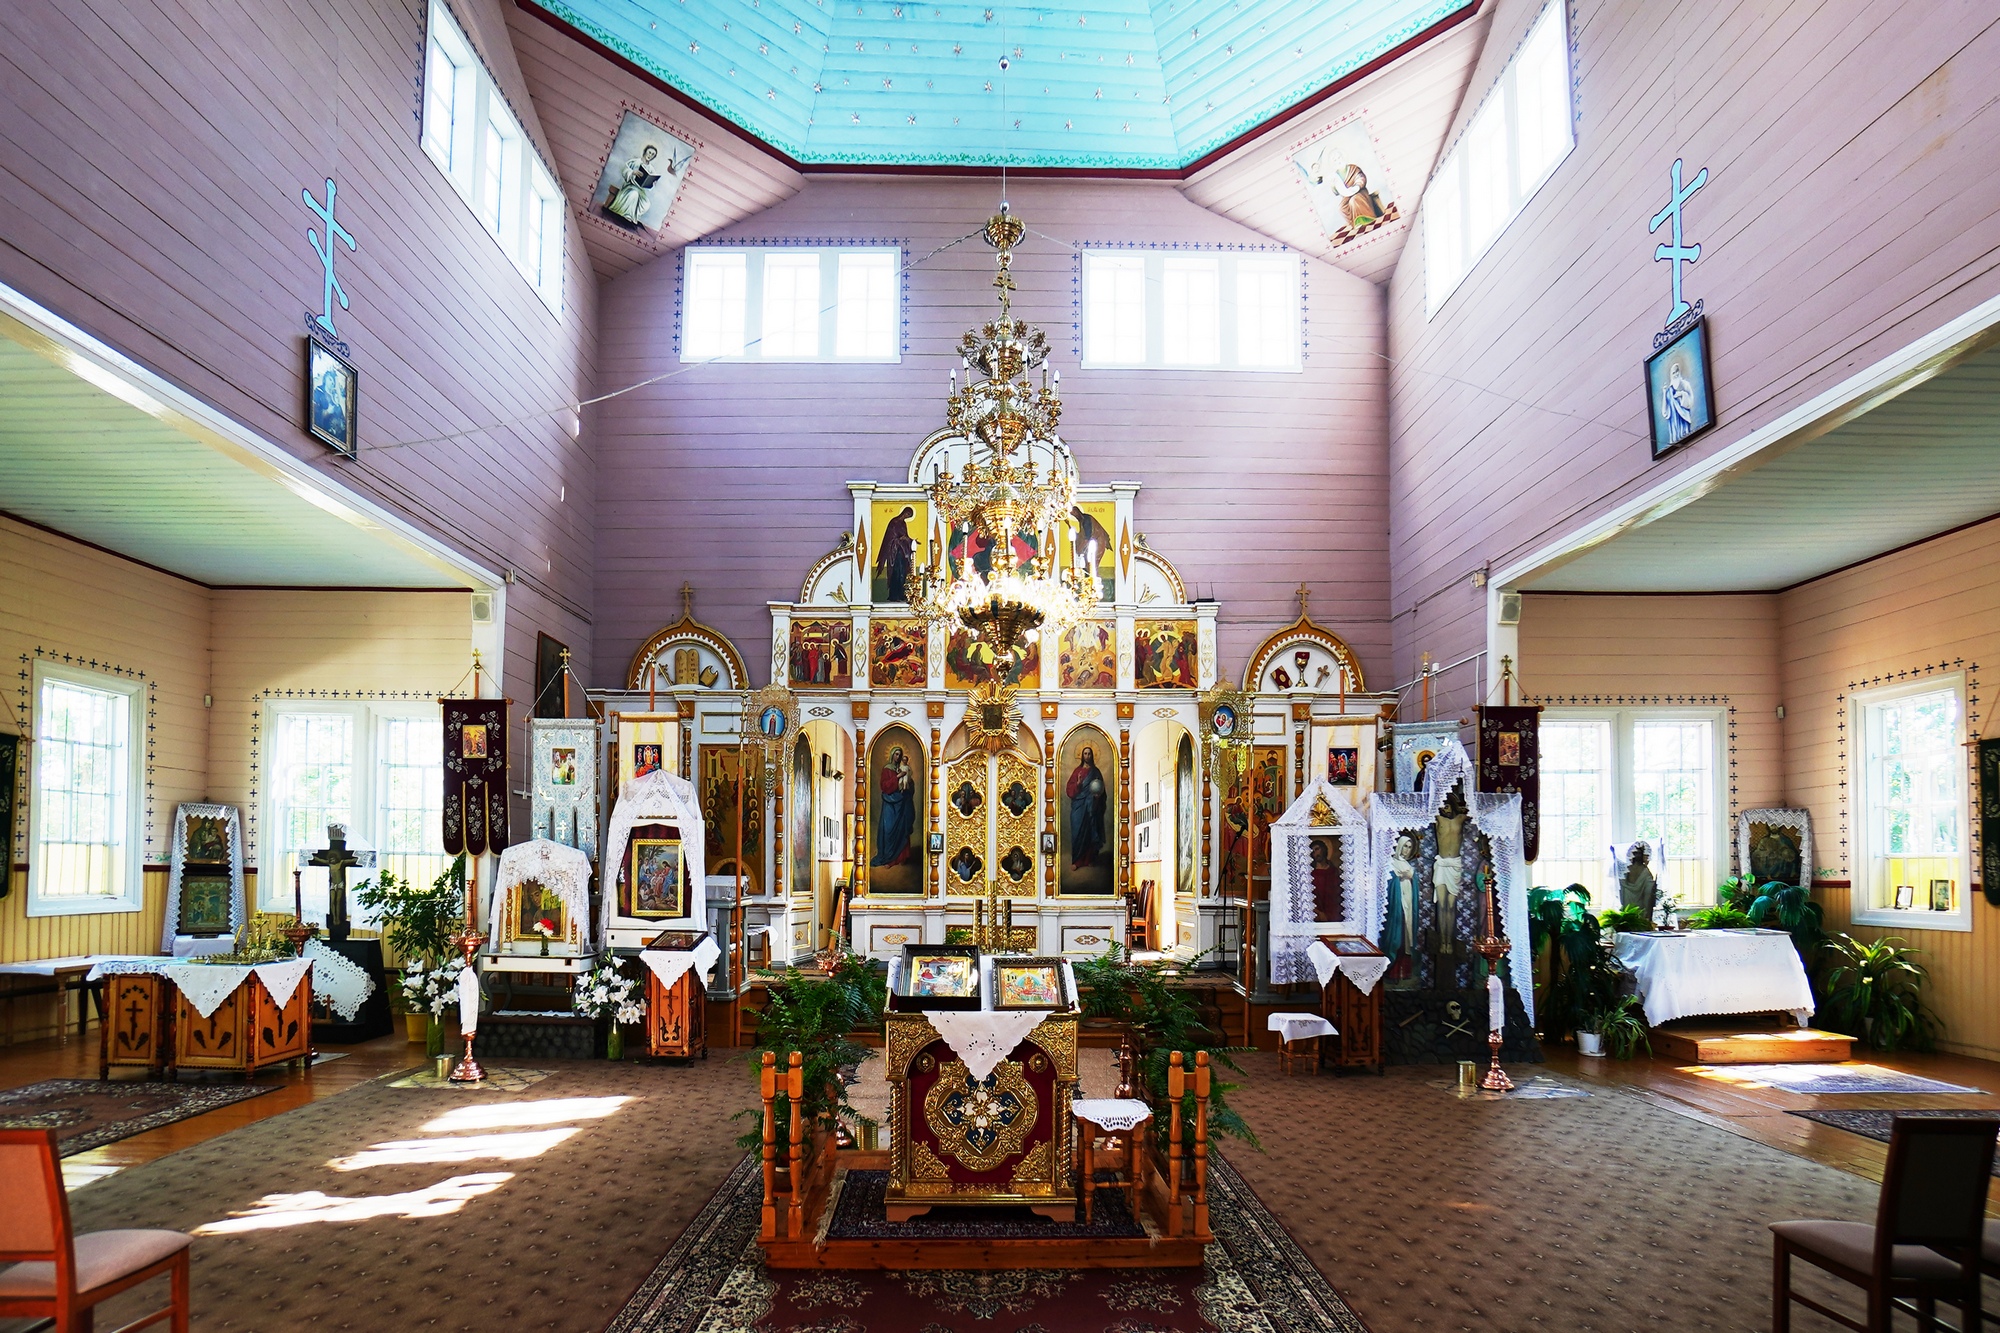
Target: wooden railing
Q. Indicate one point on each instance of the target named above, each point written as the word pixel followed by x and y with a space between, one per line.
pixel 808 1167
pixel 1183 1174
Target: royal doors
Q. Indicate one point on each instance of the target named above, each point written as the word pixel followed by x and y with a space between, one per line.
pixel 992 825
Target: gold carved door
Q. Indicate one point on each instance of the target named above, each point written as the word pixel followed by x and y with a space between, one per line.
pixel 992 825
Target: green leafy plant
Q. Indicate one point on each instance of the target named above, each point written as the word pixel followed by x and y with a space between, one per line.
pixel 1719 917
pixel 1579 974
pixel 418 922
pixel 1873 991
pixel 1163 1019
pixel 1625 919
pixel 1622 1025
pixel 813 1015
pixel 1738 892
pixel 1789 907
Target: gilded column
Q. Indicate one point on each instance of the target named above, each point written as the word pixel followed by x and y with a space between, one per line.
pixel 934 709
pixel 1049 710
pixel 1301 726
pixel 1125 797
pixel 860 797
pixel 686 710
pixel 780 886
pixel 1207 823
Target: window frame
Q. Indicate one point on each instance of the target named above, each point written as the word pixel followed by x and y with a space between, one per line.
pixel 1451 184
pixel 754 256
pixel 131 897
pixel 1229 317
pixel 366 816
pixel 1622 815
pixel 1861 870
pixel 526 180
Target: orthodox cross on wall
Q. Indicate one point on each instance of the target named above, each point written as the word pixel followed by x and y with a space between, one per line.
pixel 334 231
pixel 337 858
pixel 1678 253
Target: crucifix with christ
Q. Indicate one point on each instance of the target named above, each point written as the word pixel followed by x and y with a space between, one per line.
pixel 337 858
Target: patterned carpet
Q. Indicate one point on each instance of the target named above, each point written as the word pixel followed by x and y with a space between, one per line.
pixel 1877 1125
pixel 88 1113
pixel 1424 1211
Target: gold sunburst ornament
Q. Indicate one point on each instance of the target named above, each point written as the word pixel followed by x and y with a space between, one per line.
pixel 1016 498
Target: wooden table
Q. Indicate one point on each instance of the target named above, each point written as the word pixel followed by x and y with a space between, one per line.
pixel 69 975
pixel 1088 1113
pixel 247 1031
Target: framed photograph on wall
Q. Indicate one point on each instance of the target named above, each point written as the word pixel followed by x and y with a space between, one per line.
pixel 1680 395
pixel 331 398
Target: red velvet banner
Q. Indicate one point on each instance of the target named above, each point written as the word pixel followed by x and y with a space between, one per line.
pixel 1510 760
pixel 475 775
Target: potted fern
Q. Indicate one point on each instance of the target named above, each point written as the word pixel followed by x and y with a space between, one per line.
pixel 814 1016
pixel 418 923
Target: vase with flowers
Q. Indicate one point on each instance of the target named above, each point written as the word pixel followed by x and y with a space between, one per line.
pixel 431 989
pixel 547 930
pixel 606 992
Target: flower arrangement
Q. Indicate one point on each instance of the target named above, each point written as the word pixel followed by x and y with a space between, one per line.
pixel 606 992
pixel 431 987
pixel 547 930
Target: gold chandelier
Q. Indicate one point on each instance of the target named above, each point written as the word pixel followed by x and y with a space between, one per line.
pixel 1007 513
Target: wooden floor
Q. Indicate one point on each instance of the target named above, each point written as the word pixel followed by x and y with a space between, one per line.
pixel 1757 1113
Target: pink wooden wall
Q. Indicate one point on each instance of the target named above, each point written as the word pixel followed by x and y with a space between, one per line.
pixel 732 476
pixel 150 177
pixel 1850 208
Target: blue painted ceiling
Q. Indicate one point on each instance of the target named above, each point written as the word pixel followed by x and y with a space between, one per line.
pixel 1121 84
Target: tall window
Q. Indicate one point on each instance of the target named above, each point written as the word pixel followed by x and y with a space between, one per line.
pixel 1221 311
pixel 89 776
pixel 784 303
pixel 1511 145
pixel 377 769
pixel 1909 788
pixel 476 142
pixel 1612 777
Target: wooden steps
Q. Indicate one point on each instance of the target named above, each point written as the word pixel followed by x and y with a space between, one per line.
pixel 1711 1043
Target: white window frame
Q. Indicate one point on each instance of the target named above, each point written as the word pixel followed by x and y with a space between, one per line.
pixel 1451 250
pixel 131 895
pixel 1623 815
pixel 1861 889
pixel 829 302
pixel 526 181
pixel 365 817
pixel 1228 316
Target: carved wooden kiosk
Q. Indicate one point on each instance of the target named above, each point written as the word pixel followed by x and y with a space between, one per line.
pixel 137 1027
pixel 677 1017
pixel 1358 1017
pixel 247 1031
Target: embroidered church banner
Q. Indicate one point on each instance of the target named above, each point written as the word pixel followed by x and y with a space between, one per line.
pixel 1510 760
pixel 475 775
pixel 10 760
pixel 1989 818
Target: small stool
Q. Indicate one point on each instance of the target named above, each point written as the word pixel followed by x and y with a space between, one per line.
pixel 1114 1115
pixel 1293 1029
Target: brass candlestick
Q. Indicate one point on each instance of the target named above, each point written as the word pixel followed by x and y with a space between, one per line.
pixel 468 1070
pixel 1493 948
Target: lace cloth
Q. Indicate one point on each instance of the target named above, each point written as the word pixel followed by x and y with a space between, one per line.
pixel 564 871
pixel 1299 1027
pixel 1294 921
pixel 207 985
pixel 657 798
pixel 1364 970
pixel 1113 1113
pixel 670 965
pixel 342 985
pixel 984 1039
pixel 238 908
pixel 1497 816
pixel 1717 972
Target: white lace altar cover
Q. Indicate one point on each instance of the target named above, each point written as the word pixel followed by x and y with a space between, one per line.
pixel 338 983
pixel 563 871
pixel 1116 1114
pixel 983 1037
pixel 238 909
pixel 670 965
pixel 207 985
pixel 1497 816
pixel 658 798
pixel 1693 972
pixel 1364 970
pixel 1293 918
pixel 1298 1027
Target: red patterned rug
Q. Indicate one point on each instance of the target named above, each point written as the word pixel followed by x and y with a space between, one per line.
pixel 88 1113
pixel 1253 1280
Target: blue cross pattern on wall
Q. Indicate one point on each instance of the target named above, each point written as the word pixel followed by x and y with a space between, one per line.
pixel 326 252
pixel 1678 253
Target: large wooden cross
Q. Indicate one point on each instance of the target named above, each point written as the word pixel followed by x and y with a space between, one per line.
pixel 337 858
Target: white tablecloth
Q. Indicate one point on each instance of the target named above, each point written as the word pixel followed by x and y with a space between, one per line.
pixel 670 965
pixel 1300 1027
pixel 1685 973
pixel 984 1038
pixel 1364 970
pixel 1113 1113
pixel 206 985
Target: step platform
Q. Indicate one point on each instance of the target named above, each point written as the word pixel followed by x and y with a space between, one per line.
pixel 1712 1042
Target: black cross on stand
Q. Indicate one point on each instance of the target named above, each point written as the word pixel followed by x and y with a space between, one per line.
pixel 337 857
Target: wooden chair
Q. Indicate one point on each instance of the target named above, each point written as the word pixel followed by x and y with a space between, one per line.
pixel 56 1274
pixel 1925 1243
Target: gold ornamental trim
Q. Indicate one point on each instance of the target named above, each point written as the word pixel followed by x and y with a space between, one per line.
pixel 981 1122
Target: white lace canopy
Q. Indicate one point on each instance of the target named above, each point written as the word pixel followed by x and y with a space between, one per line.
pixel 563 871
pixel 1497 816
pixel 657 798
pixel 1322 810
pixel 238 909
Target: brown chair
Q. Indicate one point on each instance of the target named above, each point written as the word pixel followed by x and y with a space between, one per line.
pixel 51 1272
pixel 1926 1240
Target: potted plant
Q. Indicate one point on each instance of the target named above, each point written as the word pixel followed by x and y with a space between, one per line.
pixel 814 1016
pixel 1616 1028
pixel 606 992
pixel 1874 991
pixel 429 990
pixel 418 924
